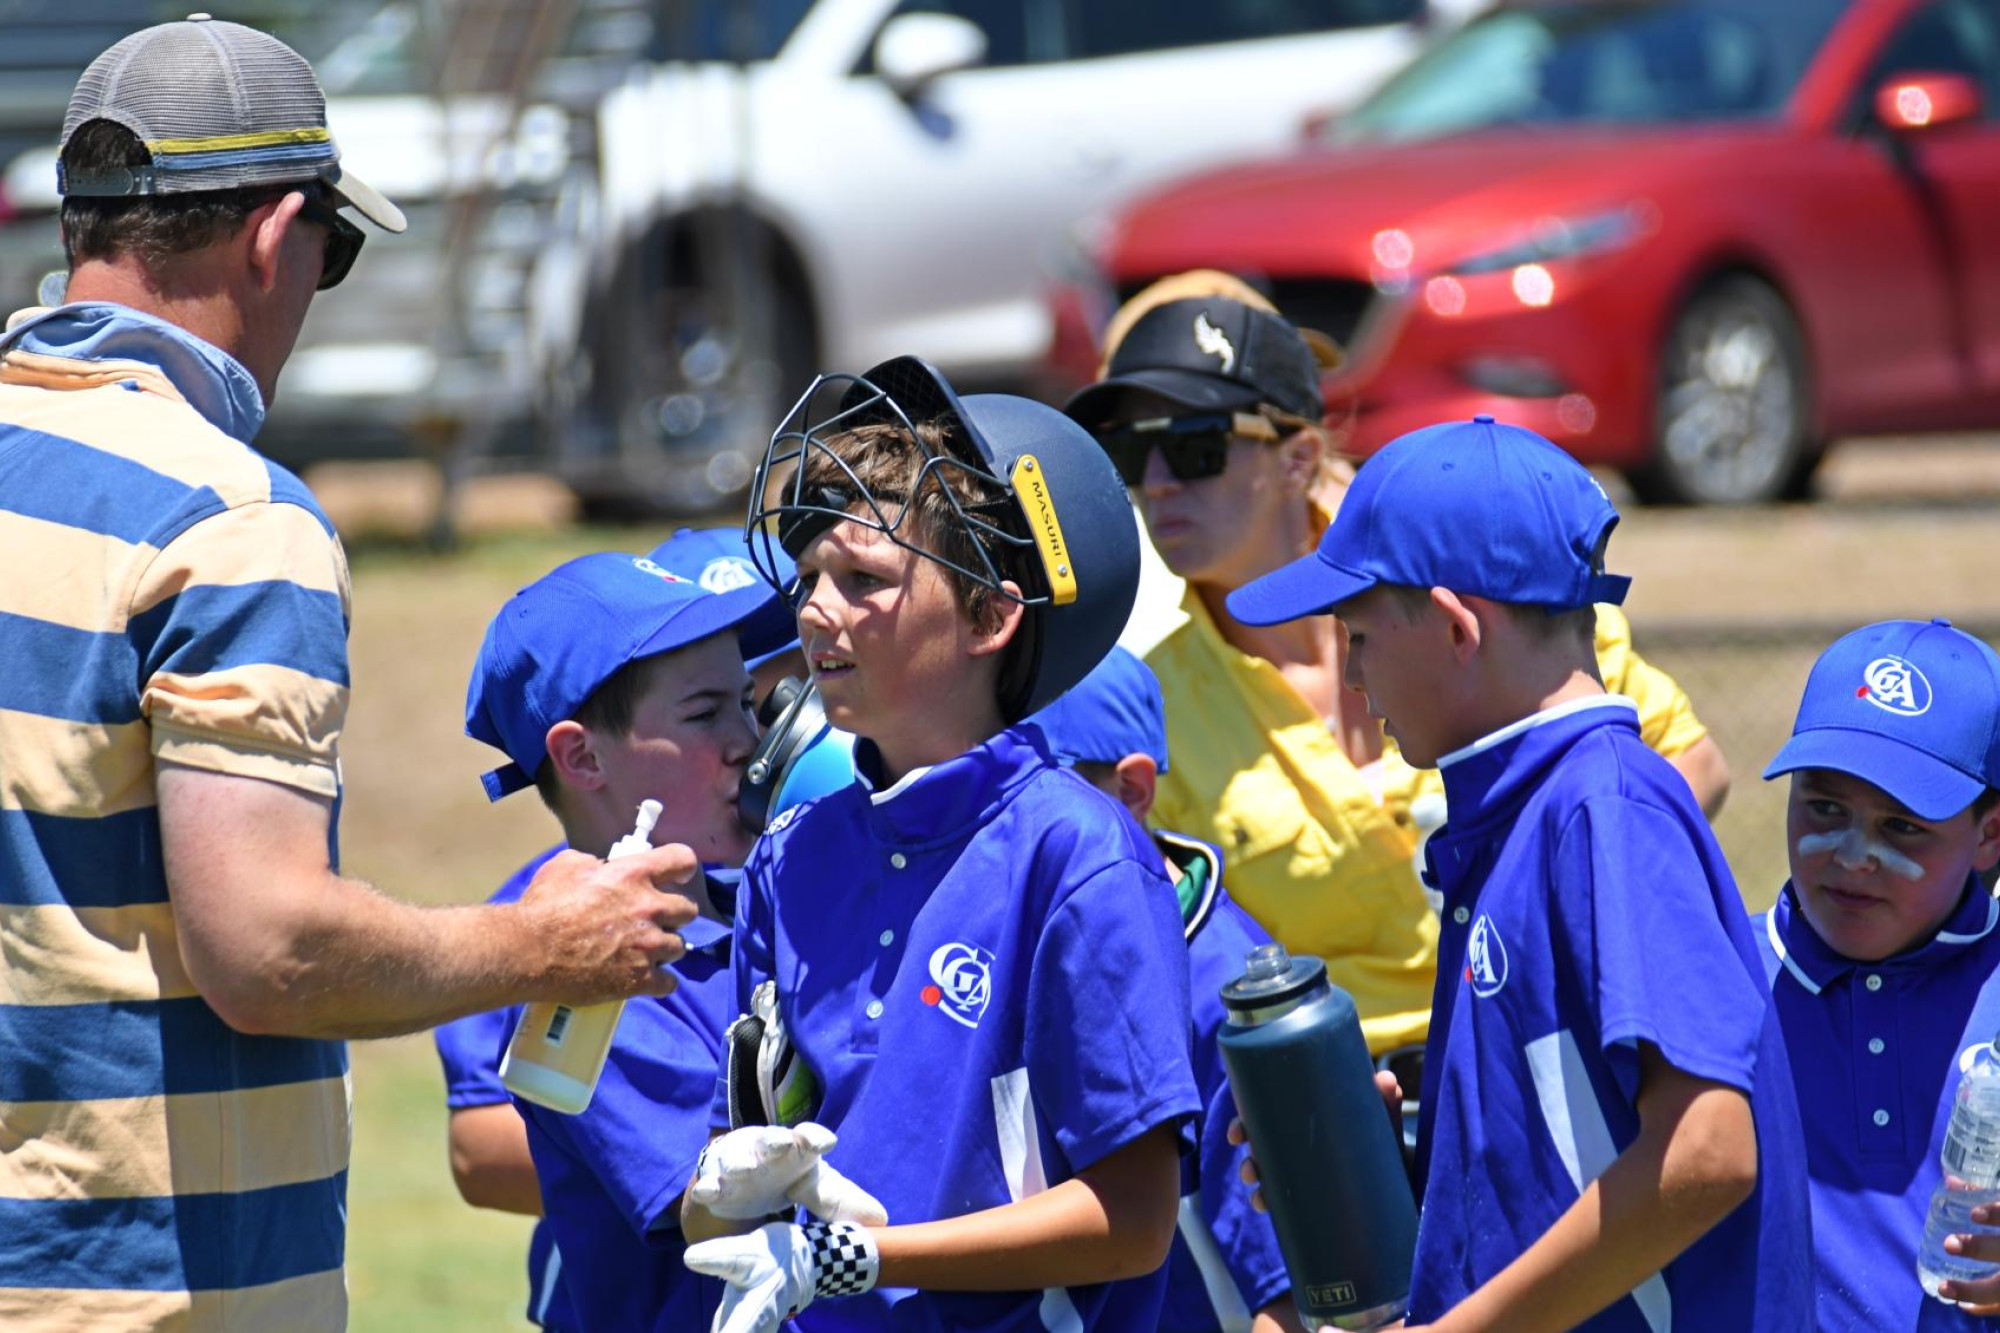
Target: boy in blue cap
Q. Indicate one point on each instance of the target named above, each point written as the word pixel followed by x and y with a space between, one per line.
pixel 1608 1133
pixel 608 681
pixel 974 953
pixel 1225 1271
pixel 1881 950
pixel 490 1159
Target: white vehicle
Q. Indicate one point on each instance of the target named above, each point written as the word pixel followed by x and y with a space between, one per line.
pixel 430 343
pixel 878 177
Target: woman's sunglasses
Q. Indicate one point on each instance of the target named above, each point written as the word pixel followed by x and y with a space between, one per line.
pixel 343 239
pixel 1193 448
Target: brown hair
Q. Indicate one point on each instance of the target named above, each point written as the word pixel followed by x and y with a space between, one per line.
pixel 152 228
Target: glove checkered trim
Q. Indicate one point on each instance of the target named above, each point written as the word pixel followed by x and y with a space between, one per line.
pixel 845 1260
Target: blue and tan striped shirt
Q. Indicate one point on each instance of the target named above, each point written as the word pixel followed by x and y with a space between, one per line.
pixel 166 594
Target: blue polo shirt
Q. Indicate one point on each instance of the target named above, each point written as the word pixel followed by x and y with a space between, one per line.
pixel 613 1174
pixel 470 1049
pixel 983 968
pixel 1587 908
pixel 1876 1049
pixel 1225 1265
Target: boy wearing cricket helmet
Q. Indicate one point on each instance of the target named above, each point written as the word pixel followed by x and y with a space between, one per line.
pixel 975 953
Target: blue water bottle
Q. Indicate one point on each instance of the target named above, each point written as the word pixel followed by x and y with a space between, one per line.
pixel 1331 1168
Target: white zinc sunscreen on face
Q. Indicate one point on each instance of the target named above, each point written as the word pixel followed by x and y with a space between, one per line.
pixel 1851 848
pixel 557 1054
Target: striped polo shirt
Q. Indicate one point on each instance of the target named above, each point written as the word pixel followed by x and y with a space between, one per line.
pixel 165 594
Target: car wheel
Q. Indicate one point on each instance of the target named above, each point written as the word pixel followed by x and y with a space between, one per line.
pixel 1734 420
pixel 689 389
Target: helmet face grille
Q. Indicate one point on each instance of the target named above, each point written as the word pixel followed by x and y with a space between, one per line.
pixel 789 509
pixel 991 458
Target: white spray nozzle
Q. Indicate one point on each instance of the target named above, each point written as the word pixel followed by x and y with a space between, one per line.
pixel 640 839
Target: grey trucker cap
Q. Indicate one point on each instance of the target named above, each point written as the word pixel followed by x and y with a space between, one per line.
pixel 219 106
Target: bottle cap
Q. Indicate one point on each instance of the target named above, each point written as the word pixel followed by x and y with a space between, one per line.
pixel 1272 976
pixel 640 839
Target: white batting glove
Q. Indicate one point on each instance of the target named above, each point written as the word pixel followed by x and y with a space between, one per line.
pixel 764 1169
pixel 779 1269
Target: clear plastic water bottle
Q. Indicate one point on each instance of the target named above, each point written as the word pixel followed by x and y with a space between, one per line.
pixel 1971 1160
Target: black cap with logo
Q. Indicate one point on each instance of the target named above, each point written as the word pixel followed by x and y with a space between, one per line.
pixel 1204 354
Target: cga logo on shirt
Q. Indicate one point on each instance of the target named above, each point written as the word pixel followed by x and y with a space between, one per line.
pixel 1896 686
pixel 1485 958
pixel 727 573
pixel 962 983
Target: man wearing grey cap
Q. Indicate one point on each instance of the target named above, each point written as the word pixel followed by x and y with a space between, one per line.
pixel 179 957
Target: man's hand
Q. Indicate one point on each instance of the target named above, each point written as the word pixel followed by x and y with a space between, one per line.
pixel 279 944
pixel 779 1269
pixel 1392 1097
pixel 1983 1296
pixel 764 1169
pixel 604 929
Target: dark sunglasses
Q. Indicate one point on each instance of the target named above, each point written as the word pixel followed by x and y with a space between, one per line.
pixel 343 239
pixel 1193 448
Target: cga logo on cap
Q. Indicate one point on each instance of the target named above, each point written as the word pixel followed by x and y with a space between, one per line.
pixel 1485 958
pixel 1214 342
pixel 963 983
pixel 1896 686
pixel 727 573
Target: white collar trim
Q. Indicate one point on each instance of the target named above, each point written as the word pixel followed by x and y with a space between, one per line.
pixel 902 785
pixel 1992 919
pixel 1533 720
pixel 1785 957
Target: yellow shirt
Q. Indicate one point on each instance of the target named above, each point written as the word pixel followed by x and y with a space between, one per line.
pixel 1312 852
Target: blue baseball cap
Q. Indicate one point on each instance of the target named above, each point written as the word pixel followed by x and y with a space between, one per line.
pixel 719 560
pixel 1478 507
pixel 1911 706
pixel 565 634
pixel 1114 711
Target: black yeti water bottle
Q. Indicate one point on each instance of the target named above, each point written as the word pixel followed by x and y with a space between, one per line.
pixel 1332 1171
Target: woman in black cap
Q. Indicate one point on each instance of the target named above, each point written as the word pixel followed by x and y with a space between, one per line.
pixel 1210 405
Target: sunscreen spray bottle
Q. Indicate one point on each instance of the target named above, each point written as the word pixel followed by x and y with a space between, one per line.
pixel 558 1050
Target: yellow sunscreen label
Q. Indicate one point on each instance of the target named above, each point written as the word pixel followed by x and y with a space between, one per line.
pixel 1031 487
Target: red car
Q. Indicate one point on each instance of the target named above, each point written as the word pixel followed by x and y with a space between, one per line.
pixel 1689 239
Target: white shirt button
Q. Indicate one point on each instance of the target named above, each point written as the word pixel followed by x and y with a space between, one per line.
pixel 1460 915
pixel 1876 1046
pixel 898 860
pixel 1881 1118
pixel 888 938
pixel 875 1011
pixel 1874 981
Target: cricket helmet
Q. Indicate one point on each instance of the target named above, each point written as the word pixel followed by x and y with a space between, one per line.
pixel 1037 497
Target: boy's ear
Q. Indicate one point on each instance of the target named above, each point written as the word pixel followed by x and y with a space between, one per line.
pixel 1987 854
pixel 1461 621
pixel 573 751
pixel 1138 780
pixel 1002 621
